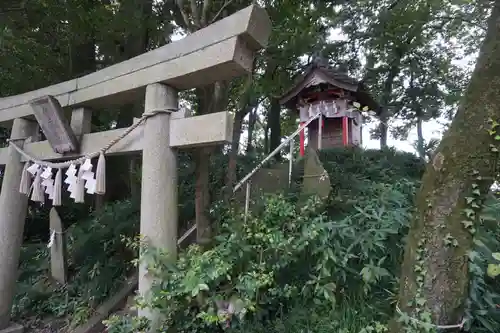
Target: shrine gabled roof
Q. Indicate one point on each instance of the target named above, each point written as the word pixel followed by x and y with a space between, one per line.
pixel 321 70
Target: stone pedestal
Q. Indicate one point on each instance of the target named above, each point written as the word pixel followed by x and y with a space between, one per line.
pixel 58 250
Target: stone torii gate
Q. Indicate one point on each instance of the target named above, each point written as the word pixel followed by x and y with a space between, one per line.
pixel 221 51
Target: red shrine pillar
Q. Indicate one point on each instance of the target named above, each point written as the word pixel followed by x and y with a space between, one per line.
pixel 345 131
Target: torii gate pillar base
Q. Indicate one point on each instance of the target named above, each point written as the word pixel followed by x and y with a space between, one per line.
pixel 13 328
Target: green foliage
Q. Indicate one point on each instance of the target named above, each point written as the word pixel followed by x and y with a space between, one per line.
pixel 354 172
pixel 126 324
pixel 376 165
pixel 484 291
pixel 330 266
pixel 350 316
pixel 257 270
pixel 98 264
pixel 481 219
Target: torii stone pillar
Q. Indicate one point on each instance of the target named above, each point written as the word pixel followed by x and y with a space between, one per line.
pixel 159 182
pixel 13 208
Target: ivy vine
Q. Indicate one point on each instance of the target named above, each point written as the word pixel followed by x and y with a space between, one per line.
pixel 422 322
pixel 494 268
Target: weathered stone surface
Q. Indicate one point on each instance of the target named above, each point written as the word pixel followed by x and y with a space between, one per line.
pixel 13 209
pixel 315 179
pixel 159 184
pixel 185 133
pixel 51 118
pixel 270 180
pixel 58 251
pixel 81 121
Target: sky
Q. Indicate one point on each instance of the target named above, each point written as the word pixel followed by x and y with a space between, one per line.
pixel 431 129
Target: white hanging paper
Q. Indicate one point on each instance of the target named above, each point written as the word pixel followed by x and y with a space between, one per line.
pixel 48 182
pixel 90 186
pixel 335 108
pixel 87 175
pixel 87 166
pixel 47 173
pixel 322 107
pixel 71 170
pixel 52 239
pixel 50 191
pixel 49 186
pixel 74 179
pixel 33 169
pixel 312 111
pixel 70 179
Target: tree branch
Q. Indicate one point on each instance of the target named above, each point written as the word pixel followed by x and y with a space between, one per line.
pixel 207 5
pixel 10 10
pixel 15 8
pixel 462 19
pixel 195 14
pixel 226 3
pixel 180 5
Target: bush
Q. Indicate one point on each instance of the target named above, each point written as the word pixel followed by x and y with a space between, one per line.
pixel 98 264
pixel 258 269
pixel 327 267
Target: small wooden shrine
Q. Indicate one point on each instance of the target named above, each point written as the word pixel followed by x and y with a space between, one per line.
pixel 340 100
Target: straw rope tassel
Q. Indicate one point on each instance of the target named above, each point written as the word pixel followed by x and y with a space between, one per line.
pixel 37 194
pixel 24 185
pixel 56 196
pixel 100 178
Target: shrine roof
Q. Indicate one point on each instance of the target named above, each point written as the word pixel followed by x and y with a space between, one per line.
pixel 320 71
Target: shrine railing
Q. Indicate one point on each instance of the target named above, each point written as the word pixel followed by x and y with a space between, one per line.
pixel 246 180
pixel 288 141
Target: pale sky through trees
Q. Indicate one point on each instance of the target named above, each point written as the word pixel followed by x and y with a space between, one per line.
pixel 431 129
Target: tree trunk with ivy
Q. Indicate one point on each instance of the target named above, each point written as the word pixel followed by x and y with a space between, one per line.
pixel 434 282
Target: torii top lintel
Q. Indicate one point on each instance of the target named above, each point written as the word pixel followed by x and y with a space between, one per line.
pixel 319 72
pixel 220 51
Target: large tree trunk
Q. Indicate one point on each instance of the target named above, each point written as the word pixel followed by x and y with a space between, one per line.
pixel 124 181
pixel 82 60
pixel 233 155
pixel 211 98
pixel 266 138
pixel 252 119
pixel 420 138
pixel 385 114
pixel 274 123
pixel 245 106
pixel 435 268
pixel 193 16
pixel 202 196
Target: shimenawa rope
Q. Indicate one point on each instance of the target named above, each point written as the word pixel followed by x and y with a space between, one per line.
pixel 78 191
pixel 66 164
